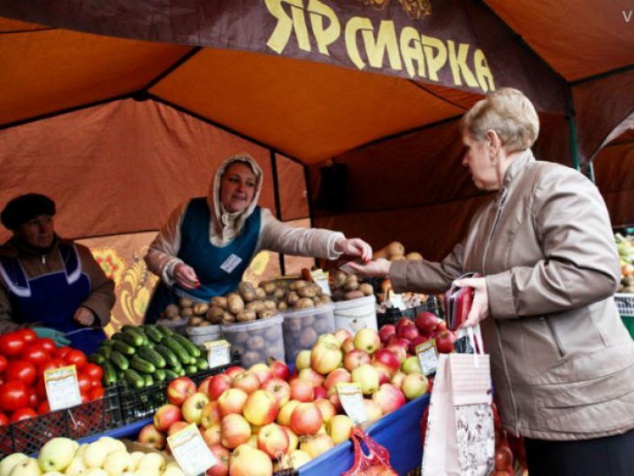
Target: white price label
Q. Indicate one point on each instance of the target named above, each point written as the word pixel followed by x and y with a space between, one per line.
pixel 321 279
pixel 218 353
pixel 428 356
pixel 62 389
pixel 190 451
pixel 352 402
pixel 397 301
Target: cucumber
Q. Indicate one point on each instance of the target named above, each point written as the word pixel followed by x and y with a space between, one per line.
pixel 189 346
pixel 153 333
pixel 170 357
pixel 97 359
pixel 160 375
pixel 119 360
pixel 180 351
pixel 136 330
pixel 116 336
pixel 142 365
pixel 106 343
pixel 152 356
pixel 109 374
pixel 132 338
pixel 191 369
pixel 166 331
pixel 170 375
pixel 124 347
pixel 149 381
pixel 133 378
pixel 104 351
pixel 202 363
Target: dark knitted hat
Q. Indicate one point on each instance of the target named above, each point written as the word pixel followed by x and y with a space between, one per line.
pixel 24 208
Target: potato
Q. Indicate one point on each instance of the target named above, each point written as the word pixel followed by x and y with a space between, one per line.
pixel 366 289
pixel 292 298
pixel 260 294
pixel 219 301
pixel 264 313
pixel 247 291
pixel 279 293
pixel 269 288
pixel 246 316
pixel 414 256
pixel 397 257
pixel 382 253
pixel 185 303
pixel 395 248
pixel 215 314
pixel 194 321
pixel 235 304
pixel 282 306
pixel 338 278
pixel 298 284
pixel 353 295
pixel 307 291
pixel 256 342
pixel 171 311
pixel 338 295
pixel 228 318
pixel 304 303
pixel 351 285
pixel 200 308
pixel 256 306
pixel 187 312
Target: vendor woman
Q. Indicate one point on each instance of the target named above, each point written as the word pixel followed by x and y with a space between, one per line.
pixel 52 285
pixel 208 242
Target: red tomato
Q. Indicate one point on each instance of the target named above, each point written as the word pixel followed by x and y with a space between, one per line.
pixel 85 384
pixel 21 370
pixel 4 420
pixel 52 364
pixel 62 351
pixel 40 389
pixel 29 335
pixel 85 398
pixel 35 354
pixel 13 396
pixel 3 364
pixel 76 357
pixel 43 408
pixel 22 414
pixel 11 344
pixel 48 345
pixel 96 393
pixel 34 401
pixel 94 371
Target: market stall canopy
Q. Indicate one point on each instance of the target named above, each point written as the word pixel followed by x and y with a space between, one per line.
pixel 120 110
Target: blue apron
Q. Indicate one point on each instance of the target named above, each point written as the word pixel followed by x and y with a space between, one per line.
pixel 219 268
pixel 52 299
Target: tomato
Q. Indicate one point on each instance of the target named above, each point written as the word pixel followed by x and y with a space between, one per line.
pixel 40 389
pixel 4 420
pixel 29 335
pixel 13 395
pixel 94 371
pixel 48 345
pixel 3 364
pixel 76 357
pixel 11 344
pixel 85 384
pixel 85 398
pixel 21 370
pixel 34 401
pixel 35 354
pixel 52 364
pixel 62 351
pixel 22 414
pixel 43 408
pixel 96 393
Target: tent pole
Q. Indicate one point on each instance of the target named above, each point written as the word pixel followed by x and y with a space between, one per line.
pixel 278 206
pixel 572 128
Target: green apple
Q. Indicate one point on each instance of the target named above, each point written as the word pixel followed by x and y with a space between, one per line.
pixel 7 464
pixel 57 454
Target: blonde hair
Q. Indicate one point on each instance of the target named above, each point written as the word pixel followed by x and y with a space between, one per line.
pixel 509 113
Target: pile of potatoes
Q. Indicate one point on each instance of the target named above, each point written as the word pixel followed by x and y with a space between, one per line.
pixel 396 251
pixel 344 287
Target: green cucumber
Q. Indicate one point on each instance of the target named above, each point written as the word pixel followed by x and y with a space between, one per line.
pixel 190 347
pixel 180 351
pixel 202 363
pixel 170 357
pixel 149 381
pixel 170 375
pixel 132 338
pixel 119 360
pixel 104 351
pixel 166 331
pixel 109 374
pixel 160 375
pixel 153 333
pixel 152 356
pixel 97 359
pixel 133 378
pixel 142 365
pixel 124 347
pixel 191 369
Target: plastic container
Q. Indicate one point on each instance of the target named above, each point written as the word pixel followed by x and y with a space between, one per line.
pixel 177 325
pixel 201 334
pixel 256 340
pixel 302 327
pixel 356 314
pixel 390 316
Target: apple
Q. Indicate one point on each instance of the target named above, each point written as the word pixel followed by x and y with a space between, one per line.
pixel 445 341
pixel 302 361
pixel 333 397
pixel 312 376
pixel 372 409
pixel 247 381
pixel 326 408
pixel 293 439
pixel 302 390
pixel 57 454
pixel 367 340
pixel 297 458
pixel 387 360
pixel 385 332
pixel 408 332
pixel 339 428
pixel 368 377
pixel 273 440
pixel 411 365
pixel 234 431
pixel 233 371
pixel 426 322
pixel 262 371
pixel 320 392
pixel 342 335
pixel 210 415
pixel 396 340
pixel 203 387
pixel 316 445
pixel 249 461
pixel 279 369
pixel 416 341
pixel 398 378
pixel 179 389
pixel 260 408
pixel 306 419
pixel 26 467
pixel 218 384
pixel 325 356
pixel 222 455
pixel 152 437
pixel 117 462
pixel 166 415
pixel 193 407
pixel 232 400
pixel 279 388
pixel 399 352
pixel 286 410
pixel 414 385
pixel 329 338
pixel 348 345
pixel 384 376
pixel 389 398
pixel 355 358
pixel 211 435
pixel 176 427
pixel 337 375
pixel 401 323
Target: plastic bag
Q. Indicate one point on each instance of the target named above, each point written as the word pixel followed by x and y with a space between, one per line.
pixel 374 462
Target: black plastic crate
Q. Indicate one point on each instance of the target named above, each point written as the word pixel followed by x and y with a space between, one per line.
pixel 138 403
pixel 91 418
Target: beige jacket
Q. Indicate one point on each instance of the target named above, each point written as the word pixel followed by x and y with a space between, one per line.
pixel 561 358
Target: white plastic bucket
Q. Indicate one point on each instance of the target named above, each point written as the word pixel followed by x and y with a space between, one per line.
pixel 356 314
pixel 201 334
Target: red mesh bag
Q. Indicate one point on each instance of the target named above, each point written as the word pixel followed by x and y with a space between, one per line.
pixel 374 462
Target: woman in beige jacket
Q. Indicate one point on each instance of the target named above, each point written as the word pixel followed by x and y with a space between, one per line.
pixel 561 359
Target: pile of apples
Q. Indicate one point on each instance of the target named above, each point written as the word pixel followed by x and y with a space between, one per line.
pixel 105 457
pixel 411 333
pixel 266 418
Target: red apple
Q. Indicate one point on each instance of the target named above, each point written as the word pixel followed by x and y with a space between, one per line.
pixel 302 390
pixel 384 376
pixel 231 401
pixel 222 455
pixel 273 440
pixel 416 341
pixel 355 358
pixel 399 352
pixel 166 415
pixel 306 419
pixel 234 431
pixel 367 340
pixel 320 392
pixel 152 437
pixel 279 388
pixel 262 371
pixel 337 375
pixel 218 384
pixel 387 360
pixel 408 332
pixel 280 369
pixel 342 335
pixel 368 377
pixel 398 378
pixel 426 322
pixel 211 435
pixel 414 385
pixel 260 408
pixel 326 408
pixel 333 396
pixel 193 407
pixel 176 427
pixel 389 398
pixel 284 415
pixel 348 345
pixel 402 322
pixel 386 331
pixel 247 381
pixel 210 415
pixel 312 376
pixel 233 371
pixel 203 387
pixel 325 357
pixel 179 389
pixel 445 341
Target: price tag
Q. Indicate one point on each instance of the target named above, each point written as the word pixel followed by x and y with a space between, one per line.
pixel 62 389
pixel 190 451
pixel 427 356
pixel 218 353
pixel 352 402
pixel 398 301
pixel 320 277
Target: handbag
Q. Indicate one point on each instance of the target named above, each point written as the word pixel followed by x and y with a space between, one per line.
pixel 458 302
pixel 460 436
pixel 374 461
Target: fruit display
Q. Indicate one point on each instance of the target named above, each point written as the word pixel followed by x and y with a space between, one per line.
pixel 625 246
pixel 139 356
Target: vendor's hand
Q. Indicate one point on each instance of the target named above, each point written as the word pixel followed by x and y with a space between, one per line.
pixel 480 305
pixel 185 276
pixel 354 247
pixel 380 267
pixel 56 336
pixel 84 317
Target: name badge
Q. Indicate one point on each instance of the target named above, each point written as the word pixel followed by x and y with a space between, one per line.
pixel 230 263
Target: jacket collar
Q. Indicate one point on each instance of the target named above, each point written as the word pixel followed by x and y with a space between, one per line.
pixel 517 165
